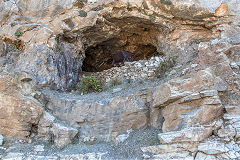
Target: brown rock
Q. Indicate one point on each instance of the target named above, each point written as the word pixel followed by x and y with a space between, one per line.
pixel 18 113
pixel 187 102
pixel 222 10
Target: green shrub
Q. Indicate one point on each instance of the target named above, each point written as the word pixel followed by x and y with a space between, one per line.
pixel 82 13
pixel 89 84
pixel 115 82
pixel 18 33
pixel 168 2
pixel 80 3
pixel 165 66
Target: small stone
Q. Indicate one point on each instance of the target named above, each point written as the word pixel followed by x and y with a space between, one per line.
pixel 157 59
pixel 1 139
pixel 184 71
pixel 145 69
pixel 39 148
pixel 222 10
pixel 234 65
pixel 116 90
pixel 29 141
pixel 194 65
pixel 145 156
pixel 121 138
pixel 108 80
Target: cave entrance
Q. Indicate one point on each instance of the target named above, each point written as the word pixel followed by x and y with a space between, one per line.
pixel 134 35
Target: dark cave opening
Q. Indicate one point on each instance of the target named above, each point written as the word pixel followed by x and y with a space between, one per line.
pixel 99 57
pixel 135 35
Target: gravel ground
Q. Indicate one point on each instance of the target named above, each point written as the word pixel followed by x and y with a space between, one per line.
pixel 127 150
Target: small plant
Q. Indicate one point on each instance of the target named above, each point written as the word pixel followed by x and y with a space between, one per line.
pixel 13 24
pixel 115 82
pixel 165 66
pixel 152 17
pixel 18 33
pixel 168 2
pixel 89 84
pixel 82 13
pixel 80 3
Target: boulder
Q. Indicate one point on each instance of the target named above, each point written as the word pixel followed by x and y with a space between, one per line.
pixel 18 113
pixel 51 129
pixel 63 134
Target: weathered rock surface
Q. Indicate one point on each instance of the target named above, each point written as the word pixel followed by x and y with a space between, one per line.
pixel 50 129
pixel 1 139
pixel 188 102
pixel 55 37
pixel 103 119
pixel 193 134
pixel 21 156
pixel 18 113
pixel 50 43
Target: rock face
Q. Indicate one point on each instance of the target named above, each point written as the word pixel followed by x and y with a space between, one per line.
pixel 218 138
pixel 48 44
pixel 103 119
pixel 19 113
pixel 58 133
pixel 188 102
pixel 58 39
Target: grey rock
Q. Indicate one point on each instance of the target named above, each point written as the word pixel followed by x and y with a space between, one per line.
pixel 109 116
pixel 191 134
pixel 213 147
pixel 63 134
pixel 1 139
pixel 51 129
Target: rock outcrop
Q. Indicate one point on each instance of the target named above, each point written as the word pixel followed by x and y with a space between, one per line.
pixel 218 138
pixel 45 46
pixel 54 131
pixel 19 113
pixel 103 119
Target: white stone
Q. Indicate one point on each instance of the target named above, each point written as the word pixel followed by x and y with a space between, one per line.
pixel 213 147
pixel 39 148
pixel 194 65
pixel 234 65
pixel 201 156
pixel 192 134
pixel 121 138
pixel 184 155
pixel 1 139
pixel 116 90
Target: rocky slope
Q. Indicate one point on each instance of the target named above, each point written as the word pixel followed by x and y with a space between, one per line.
pixel 193 104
